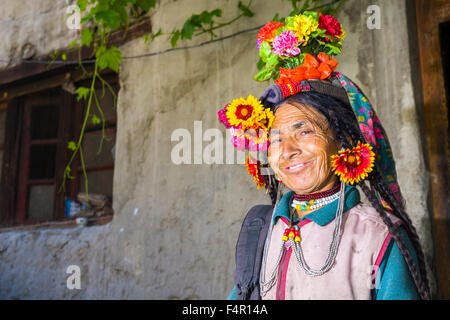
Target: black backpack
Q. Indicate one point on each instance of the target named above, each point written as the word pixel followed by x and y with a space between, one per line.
pixel 249 252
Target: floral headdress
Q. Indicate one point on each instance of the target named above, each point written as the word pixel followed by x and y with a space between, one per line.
pixel 299 55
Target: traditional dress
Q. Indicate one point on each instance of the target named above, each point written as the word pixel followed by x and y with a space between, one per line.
pixel 368 264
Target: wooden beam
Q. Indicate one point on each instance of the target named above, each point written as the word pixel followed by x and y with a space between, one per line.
pixel 430 13
pixel 27 70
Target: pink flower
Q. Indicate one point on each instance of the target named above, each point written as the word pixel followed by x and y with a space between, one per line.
pixel 223 117
pixel 241 143
pixel 394 187
pixel 286 44
pixel 370 133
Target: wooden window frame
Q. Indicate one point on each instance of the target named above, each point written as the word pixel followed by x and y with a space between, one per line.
pixel 25 79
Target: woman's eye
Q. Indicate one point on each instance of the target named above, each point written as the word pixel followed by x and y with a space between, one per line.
pixel 275 140
pixel 305 132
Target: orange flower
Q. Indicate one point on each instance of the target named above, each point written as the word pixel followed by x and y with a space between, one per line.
pixel 268 32
pixel 355 164
pixel 291 75
pixel 311 68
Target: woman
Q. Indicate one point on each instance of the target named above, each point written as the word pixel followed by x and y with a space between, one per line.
pixel 318 241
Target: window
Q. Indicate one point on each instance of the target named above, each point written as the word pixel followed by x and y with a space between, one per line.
pixel 37 128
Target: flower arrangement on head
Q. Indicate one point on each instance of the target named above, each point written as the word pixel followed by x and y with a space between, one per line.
pixel 300 47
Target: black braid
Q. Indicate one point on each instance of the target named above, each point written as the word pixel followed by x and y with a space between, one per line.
pixel 343 121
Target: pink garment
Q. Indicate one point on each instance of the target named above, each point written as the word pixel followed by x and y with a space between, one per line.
pixel 362 245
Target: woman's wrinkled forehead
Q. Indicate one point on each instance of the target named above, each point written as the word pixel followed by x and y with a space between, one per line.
pixel 293 116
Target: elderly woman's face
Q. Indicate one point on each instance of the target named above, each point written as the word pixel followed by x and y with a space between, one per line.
pixel 300 151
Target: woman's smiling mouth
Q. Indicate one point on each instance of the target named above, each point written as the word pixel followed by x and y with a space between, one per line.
pixel 296 167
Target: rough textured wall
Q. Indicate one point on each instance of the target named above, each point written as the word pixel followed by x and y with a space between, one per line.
pixel 175 226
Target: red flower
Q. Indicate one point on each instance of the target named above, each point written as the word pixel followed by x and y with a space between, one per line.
pixel 243 112
pixel 253 168
pixel 268 32
pixel 355 164
pixel 331 25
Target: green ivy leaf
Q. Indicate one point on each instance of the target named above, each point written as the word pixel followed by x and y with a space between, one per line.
pixel 95 120
pixel 146 4
pixel 174 38
pixel 188 31
pixel 109 58
pixel 82 4
pixel 67 173
pixel 217 12
pixel 156 34
pixel 82 93
pixel 71 145
pixel 245 10
pixel 110 18
pixel 73 43
pixel 86 37
pixel 145 36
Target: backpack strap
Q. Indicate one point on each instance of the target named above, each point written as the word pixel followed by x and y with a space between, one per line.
pixel 249 251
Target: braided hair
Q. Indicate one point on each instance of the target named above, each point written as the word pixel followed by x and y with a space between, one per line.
pixel 343 122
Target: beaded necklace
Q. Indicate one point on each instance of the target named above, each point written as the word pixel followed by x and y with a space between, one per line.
pixel 291 238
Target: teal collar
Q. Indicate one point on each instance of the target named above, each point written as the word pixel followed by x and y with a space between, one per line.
pixel 322 216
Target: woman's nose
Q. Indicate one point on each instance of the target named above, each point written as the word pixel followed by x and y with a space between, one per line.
pixel 290 149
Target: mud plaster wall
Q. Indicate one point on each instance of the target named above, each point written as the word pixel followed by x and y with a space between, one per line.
pixel 175 226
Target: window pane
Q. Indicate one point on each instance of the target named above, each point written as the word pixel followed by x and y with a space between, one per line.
pixel 44 122
pixel 106 103
pixel 41 202
pixel 91 144
pixel 42 162
pixel 98 182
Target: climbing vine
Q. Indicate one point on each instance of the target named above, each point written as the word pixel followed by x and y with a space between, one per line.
pixel 101 17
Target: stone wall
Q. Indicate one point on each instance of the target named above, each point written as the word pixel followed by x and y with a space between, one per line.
pixel 175 226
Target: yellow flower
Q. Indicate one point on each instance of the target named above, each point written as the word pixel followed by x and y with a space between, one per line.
pixel 265 119
pixel 244 112
pixel 302 26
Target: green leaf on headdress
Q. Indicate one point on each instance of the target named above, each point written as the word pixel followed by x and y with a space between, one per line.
pixel 265 51
pixel 263 75
pixel 313 14
pixel 305 6
pixel 272 60
pixel 276 17
pixel 260 64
